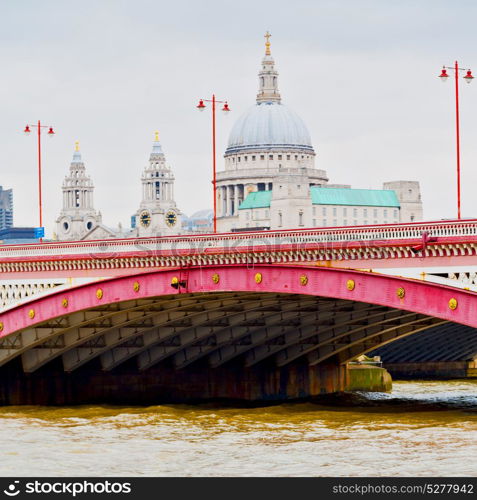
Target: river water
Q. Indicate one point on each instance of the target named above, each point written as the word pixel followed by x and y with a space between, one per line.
pixel 421 429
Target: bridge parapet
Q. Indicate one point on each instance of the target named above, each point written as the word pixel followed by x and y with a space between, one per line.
pixel 357 243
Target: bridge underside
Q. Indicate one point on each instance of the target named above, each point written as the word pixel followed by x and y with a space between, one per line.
pixel 445 351
pixel 237 345
pixel 246 334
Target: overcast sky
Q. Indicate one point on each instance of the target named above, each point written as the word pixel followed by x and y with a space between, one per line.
pixel 362 75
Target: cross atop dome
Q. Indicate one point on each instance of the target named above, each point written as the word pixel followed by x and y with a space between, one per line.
pixel 156 146
pixel 77 154
pixel 267 43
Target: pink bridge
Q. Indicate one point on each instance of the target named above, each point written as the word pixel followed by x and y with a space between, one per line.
pixel 268 315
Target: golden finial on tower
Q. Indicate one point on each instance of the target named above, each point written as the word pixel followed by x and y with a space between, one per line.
pixel 267 43
pixel 156 135
pixel 76 145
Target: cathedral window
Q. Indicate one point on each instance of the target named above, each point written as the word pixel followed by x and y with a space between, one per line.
pixel 314 210
pixel 279 157
pixel 324 210
pixel 335 222
pixel 395 214
pixel 238 159
pixel 355 212
pixel 233 160
pixel 253 157
pixel 288 157
pixel 385 213
pixel 296 157
pixel 270 186
pixel 270 157
pixel 345 211
pixel 262 157
pixel 334 211
pixel 365 212
pixel 245 158
pixel 300 218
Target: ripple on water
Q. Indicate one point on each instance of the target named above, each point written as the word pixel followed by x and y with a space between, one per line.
pixel 422 428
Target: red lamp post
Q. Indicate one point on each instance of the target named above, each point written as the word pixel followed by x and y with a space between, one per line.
pixel 468 78
pixel 50 133
pixel 201 106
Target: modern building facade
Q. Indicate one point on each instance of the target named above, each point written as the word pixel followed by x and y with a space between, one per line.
pixel 270 180
pixel 201 221
pixel 6 208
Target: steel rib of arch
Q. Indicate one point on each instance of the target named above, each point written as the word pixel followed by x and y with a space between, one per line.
pixel 81 320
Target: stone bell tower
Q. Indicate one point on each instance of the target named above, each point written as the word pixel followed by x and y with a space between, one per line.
pixel 78 216
pixel 158 214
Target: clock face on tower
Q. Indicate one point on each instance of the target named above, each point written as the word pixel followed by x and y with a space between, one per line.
pixel 145 218
pixel 171 218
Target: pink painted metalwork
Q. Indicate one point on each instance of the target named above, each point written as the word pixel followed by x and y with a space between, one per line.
pixel 421 297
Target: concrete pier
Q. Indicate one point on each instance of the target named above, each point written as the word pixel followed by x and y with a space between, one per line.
pixel 164 384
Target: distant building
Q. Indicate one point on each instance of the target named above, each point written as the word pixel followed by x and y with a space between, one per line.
pixel 270 180
pixel 78 218
pixel 199 222
pixel 18 235
pixel 158 214
pixel 6 208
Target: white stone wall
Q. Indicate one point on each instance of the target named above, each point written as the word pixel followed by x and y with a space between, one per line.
pixel 409 196
pixel 339 215
pixel 315 215
pixel 269 160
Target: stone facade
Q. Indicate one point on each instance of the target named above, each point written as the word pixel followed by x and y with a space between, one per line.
pixel 158 214
pixel 270 150
pixel 78 216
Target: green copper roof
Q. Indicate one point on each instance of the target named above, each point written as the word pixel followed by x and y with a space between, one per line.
pixel 354 197
pixel 331 196
pixel 257 199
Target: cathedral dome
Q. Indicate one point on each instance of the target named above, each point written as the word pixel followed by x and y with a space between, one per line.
pixel 266 126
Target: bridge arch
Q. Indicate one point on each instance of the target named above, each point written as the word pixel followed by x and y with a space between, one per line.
pixel 261 313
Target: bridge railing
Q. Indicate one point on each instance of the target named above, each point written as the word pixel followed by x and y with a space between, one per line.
pixel 241 242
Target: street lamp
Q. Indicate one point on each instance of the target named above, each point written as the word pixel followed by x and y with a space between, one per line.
pixel 201 106
pixel 468 78
pixel 50 133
